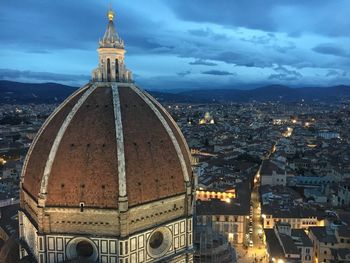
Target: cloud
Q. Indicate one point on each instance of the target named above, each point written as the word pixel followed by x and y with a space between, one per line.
pixel 202 62
pixel 218 73
pixel 207 33
pixel 260 40
pixel 289 16
pixel 252 35
pixel 184 73
pixel 284 48
pixel 332 72
pixel 284 74
pixel 336 73
pixel 330 49
pixel 65 24
pixel 241 59
pixel 27 75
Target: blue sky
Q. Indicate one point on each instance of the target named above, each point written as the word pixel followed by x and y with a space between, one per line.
pixel 181 44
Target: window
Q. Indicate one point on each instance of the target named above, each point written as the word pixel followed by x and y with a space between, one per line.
pixel 81 207
pixel 84 249
pixel 108 69
pixel 121 248
pixel 156 240
pixel 325 252
pixel 117 69
pixel 307 251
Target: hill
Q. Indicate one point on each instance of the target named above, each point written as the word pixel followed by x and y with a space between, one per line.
pixel 21 93
pixel 271 93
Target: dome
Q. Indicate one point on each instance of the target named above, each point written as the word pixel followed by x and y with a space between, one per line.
pixel 105 141
pixel 108 177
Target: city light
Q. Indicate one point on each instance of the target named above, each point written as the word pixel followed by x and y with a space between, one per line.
pixel 288 132
pixel 203 195
pixel 121 140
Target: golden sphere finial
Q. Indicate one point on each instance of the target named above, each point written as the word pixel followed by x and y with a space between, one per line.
pixel 110 13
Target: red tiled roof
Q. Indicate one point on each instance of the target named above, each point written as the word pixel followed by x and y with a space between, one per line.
pixel 85 168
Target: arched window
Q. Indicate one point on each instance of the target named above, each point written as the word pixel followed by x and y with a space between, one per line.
pixel 117 69
pixel 108 69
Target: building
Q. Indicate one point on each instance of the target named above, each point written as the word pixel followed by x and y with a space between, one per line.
pixel 207 194
pixel 331 244
pixel 271 174
pixel 298 217
pixel 208 119
pixel 229 217
pixel 285 244
pixel 344 193
pixel 108 178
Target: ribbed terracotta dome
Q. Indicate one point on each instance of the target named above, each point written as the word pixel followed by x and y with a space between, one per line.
pixel 105 141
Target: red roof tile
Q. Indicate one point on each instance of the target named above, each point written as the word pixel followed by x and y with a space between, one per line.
pixel 85 168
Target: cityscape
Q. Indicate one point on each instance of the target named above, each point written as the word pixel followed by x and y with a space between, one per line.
pixel 114 172
pixel 272 177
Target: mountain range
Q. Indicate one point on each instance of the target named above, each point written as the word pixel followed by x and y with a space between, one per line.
pixel 21 93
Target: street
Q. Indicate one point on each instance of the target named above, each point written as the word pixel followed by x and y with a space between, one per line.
pixel 257 252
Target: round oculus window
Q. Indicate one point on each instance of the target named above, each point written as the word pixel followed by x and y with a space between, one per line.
pixel 82 248
pixel 159 242
pixel 156 240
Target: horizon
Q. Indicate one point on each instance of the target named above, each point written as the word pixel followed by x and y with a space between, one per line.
pixel 190 46
pixel 183 90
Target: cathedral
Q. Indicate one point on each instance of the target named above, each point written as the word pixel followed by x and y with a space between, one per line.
pixel 108 177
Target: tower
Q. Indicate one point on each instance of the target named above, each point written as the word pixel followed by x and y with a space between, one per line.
pixel 111 51
pixel 108 177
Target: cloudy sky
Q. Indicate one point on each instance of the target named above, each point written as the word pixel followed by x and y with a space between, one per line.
pixel 181 44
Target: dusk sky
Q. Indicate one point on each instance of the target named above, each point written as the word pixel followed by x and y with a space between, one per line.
pixel 181 44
